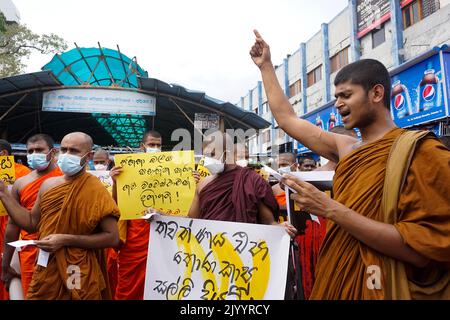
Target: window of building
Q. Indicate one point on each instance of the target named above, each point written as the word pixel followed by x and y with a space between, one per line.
pixel 255 110
pixel 315 76
pixel 418 10
pixel 295 88
pixel 378 37
pixel 339 60
pixel 412 13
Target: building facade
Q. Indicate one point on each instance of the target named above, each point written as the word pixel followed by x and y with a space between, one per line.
pixel 395 32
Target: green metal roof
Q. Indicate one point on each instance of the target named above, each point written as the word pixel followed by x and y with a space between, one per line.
pixel 106 68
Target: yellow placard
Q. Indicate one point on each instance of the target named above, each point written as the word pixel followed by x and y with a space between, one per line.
pixel 7 174
pixel 202 170
pixel 162 181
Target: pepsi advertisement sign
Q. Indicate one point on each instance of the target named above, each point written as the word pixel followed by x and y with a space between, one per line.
pixel 417 93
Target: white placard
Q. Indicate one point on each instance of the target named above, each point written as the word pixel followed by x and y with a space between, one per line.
pixel 193 259
pixel 22 243
pixel 99 101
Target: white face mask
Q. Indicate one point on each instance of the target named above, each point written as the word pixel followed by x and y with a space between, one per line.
pixel 152 150
pixel 100 167
pixel 38 161
pixel 213 165
pixel 70 164
pixel 284 170
pixel 242 163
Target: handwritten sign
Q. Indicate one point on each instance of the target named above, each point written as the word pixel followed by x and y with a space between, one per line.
pixel 7 174
pixel 162 181
pixel 202 170
pixel 192 259
pixel 104 177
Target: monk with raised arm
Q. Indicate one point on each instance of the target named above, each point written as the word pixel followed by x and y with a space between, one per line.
pixel 403 253
pixel 76 219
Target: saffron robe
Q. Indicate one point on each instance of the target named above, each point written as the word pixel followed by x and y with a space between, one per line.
pixel 132 261
pixel 76 207
pixel 28 254
pixel 345 266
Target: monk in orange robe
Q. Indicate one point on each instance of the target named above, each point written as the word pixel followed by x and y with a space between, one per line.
pixel 423 223
pixel 20 171
pixel 40 150
pixel 403 253
pixel 74 227
pixel 132 256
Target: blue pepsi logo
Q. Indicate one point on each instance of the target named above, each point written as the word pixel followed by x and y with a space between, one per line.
pixel 428 92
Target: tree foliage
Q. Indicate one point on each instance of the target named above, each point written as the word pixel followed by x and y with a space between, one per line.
pixel 17 42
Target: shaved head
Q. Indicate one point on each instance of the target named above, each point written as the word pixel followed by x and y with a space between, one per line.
pixel 81 139
pixel 218 143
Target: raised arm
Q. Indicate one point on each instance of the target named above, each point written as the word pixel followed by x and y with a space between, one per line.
pixel 317 140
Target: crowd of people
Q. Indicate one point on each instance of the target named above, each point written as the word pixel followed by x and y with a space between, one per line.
pixel 377 235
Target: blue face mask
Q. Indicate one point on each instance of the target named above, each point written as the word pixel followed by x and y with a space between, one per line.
pixel 69 164
pixel 38 161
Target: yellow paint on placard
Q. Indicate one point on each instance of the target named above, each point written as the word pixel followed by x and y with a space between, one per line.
pixel 7 174
pixel 234 278
pixel 202 170
pixel 162 181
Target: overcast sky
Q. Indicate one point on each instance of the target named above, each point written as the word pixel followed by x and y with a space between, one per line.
pixel 200 44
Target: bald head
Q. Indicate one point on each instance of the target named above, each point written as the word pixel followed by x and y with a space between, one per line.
pixel 77 143
pixel 217 144
pixel 81 139
pixel 287 159
pixel 101 159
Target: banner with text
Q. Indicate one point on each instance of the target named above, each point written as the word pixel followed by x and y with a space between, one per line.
pixel 162 181
pixel 193 259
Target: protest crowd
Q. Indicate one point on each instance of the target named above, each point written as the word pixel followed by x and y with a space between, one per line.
pixel 78 222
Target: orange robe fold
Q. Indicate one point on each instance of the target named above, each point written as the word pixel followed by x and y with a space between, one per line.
pixel 76 207
pixel 132 260
pixel 20 171
pixel 346 265
pixel 28 254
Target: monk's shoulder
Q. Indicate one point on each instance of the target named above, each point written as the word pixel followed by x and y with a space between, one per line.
pixel 255 176
pixel 51 183
pixel 202 184
pixel 430 150
pixel 21 182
